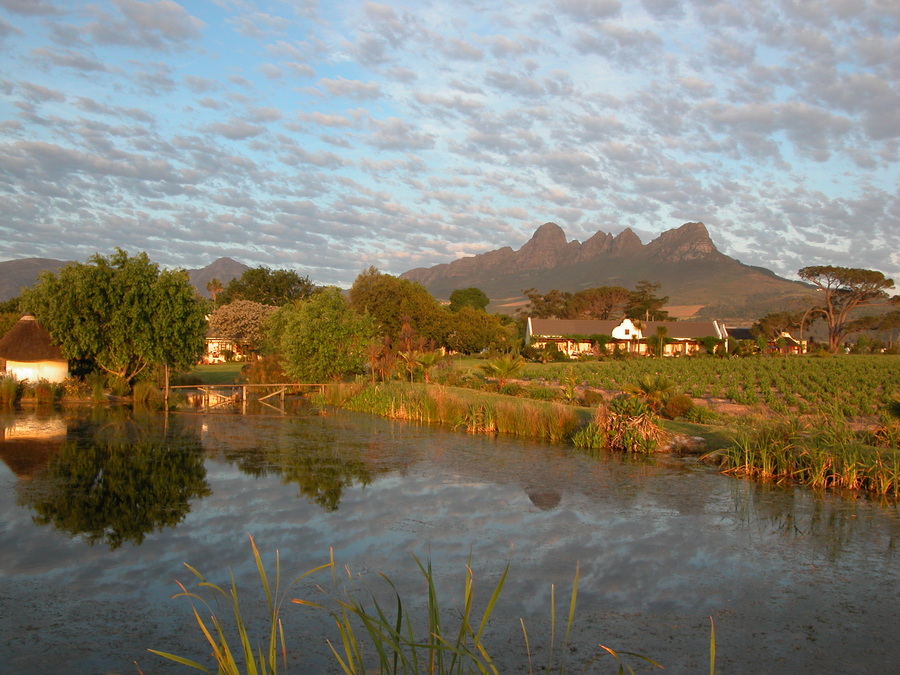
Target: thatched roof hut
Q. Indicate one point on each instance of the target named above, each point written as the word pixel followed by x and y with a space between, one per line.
pixel 30 353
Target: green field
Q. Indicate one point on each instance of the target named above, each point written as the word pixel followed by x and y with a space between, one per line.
pixel 857 385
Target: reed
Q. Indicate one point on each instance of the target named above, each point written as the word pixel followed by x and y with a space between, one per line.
pixel 234 654
pixel 372 636
pixel 392 639
pixel 10 390
pixel 823 454
pixel 475 412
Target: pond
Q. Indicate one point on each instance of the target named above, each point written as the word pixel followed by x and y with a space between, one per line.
pixel 102 508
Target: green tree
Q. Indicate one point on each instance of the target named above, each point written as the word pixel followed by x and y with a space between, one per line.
pixel 268 287
pixel 472 331
pixel 659 341
pixel 845 289
pixel 121 312
pixel 603 303
pixel 468 297
pixel 242 321
pixel 214 287
pixel 322 337
pixel 645 304
pixel 552 305
pixel 772 325
pixel 391 301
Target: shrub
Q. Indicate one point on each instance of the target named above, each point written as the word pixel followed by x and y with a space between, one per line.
pixel 627 425
pixel 76 388
pixel 591 397
pixel 699 414
pixel 539 393
pixel 265 370
pixel 677 405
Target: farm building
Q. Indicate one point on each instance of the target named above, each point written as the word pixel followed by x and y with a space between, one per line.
pixel 30 354
pixel 575 337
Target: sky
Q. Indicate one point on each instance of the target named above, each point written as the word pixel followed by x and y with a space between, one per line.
pixel 327 137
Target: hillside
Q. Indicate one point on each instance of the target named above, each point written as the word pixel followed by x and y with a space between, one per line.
pixel 684 261
pixel 18 274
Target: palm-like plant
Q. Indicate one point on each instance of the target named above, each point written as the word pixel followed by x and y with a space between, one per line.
pixel 427 361
pixel 214 287
pixel 654 389
pixel 893 406
pixel 503 367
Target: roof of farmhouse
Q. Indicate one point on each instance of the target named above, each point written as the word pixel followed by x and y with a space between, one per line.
pixel 27 341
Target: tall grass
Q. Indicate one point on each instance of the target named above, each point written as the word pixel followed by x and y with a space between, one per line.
pixel 824 454
pixel 373 636
pixel 471 411
pixel 236 653
pixel 10 390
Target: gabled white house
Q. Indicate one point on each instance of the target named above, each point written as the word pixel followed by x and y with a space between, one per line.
pixel 579 336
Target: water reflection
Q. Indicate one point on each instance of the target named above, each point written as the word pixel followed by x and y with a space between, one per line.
pixel 662 543
pixel 834 523
pixel 113 478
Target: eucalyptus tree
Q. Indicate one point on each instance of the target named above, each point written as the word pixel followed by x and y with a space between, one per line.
pixel 845 289
pixel 122 312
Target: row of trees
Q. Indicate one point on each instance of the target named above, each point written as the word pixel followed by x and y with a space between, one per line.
pixel 845 293
pixel 124 315
pixel 603 303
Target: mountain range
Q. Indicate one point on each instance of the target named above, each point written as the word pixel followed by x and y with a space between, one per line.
pixel 699 280
pixel 691 271
pixel 18 274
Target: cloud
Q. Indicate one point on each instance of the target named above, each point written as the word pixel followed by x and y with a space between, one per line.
pixel 405 133
pixel 351 88
pixel 236 129
pixel 160 24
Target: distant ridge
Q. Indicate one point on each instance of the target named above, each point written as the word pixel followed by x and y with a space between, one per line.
pixel 684 261
pixel 223 269
pixel 18 274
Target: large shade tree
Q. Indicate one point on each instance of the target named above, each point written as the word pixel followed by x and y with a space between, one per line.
pixel 122 312
pixel 267 286
pixel 393 302
pixel 468 297
pixel 321 338
pixel 844 290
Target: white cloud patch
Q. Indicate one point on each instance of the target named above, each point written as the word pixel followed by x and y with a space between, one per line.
pixel 406 133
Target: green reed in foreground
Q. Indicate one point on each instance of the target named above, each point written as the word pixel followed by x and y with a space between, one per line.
pixel 372 637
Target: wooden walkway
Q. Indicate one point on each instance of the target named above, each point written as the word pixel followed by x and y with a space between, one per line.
pixel 216 395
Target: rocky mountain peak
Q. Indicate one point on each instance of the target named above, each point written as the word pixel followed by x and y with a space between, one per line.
pixel 547 247
pixel 691 241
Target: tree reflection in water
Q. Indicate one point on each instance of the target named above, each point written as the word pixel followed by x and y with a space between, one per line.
pixel 320 462
pixel 117 479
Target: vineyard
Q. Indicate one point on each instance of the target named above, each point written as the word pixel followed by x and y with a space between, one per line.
pixel 851 385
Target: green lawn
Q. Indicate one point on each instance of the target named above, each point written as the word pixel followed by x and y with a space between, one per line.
pixel 216 373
